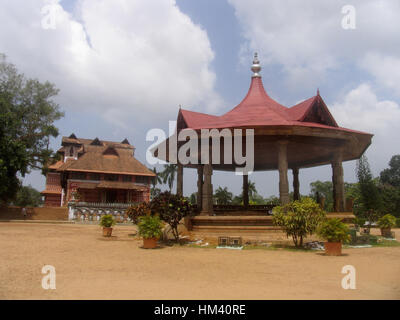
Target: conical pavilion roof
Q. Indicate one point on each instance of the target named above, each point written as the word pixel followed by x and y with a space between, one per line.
pixel 258 109
pixel 312 132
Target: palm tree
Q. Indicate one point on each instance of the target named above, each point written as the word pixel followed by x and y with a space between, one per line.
pixel 168 175
pixel 157 179
pixel 252 189
pixel 223 196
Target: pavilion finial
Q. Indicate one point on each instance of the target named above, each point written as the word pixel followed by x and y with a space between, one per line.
pixel 317 91
pixel 256 67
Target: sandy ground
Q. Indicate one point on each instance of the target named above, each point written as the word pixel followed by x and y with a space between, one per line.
pixel 89 266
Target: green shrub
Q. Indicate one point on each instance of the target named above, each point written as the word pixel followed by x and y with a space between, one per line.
pixel 387 221
pixel 150 227
pixel 333 230
pixel 398 223
pixel 298 218
pixel 107 221
pixel 171 208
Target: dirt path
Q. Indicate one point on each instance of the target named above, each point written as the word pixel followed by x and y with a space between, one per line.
pixel 91 267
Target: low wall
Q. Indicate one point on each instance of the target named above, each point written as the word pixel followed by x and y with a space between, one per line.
pixel 43 213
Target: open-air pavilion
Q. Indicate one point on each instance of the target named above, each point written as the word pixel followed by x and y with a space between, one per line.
pixel 302 136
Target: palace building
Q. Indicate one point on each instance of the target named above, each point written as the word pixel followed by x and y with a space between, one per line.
pixel 96 171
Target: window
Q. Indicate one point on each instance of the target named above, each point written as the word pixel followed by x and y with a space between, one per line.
pixel 71 151
pixel 94 176
pixel 78 175
pixel 111 177
pixel 141 179
pixel 127 178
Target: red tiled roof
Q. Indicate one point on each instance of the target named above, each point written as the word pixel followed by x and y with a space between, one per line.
pixel 259 109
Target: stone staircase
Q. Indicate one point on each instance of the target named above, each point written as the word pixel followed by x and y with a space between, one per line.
pixel 249 227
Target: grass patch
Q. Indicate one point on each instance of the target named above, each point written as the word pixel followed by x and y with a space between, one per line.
pixel 387 243
pixel 192 245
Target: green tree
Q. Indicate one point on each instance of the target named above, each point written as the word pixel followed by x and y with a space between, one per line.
pixel 157 179
pixel 257 199
pixel 252 189
pixel 154 181
pixel 193 198
pixel 370 200
pixel 390 199
pixel 168 175
pixel 223 196
pixel 237 199
pixel 272 200
pixel 298 218
pixel 324 189
pixel 27 197
pixel 391 175
pixel 27 116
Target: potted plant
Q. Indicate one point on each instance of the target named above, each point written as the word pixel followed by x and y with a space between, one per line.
pixel 334 232
pixel 150 228
pixel 107 221
pixel 386 223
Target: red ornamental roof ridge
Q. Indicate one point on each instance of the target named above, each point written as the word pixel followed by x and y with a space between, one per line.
pixel 259 109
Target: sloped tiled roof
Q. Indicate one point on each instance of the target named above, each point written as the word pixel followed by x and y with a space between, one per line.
pixel 95 159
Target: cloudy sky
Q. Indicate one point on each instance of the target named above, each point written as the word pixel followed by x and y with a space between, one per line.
pixel 125 66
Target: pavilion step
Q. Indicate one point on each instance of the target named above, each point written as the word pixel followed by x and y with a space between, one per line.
pixel 235 229
pixel 234 221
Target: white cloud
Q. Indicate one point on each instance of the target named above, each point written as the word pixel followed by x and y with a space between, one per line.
pixel 361 109
pixel 121 58
pixel 306 37
pixel 385 68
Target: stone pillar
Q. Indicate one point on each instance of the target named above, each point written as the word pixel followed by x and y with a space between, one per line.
pixel 338 183
pixel 207 204
pixel 283 168
pixel 296 184
pixel 245 191
pixel 179 180
pixel 199 187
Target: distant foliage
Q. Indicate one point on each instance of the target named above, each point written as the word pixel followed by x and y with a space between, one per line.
pixel 323 189
pixel 391 175
pixel 298 218
pixel 28 197
pixel 223 196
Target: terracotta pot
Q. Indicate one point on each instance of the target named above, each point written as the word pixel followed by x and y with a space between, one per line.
pixel 107 231
pixel 386 232
pixel 333 248
pixel 149 243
